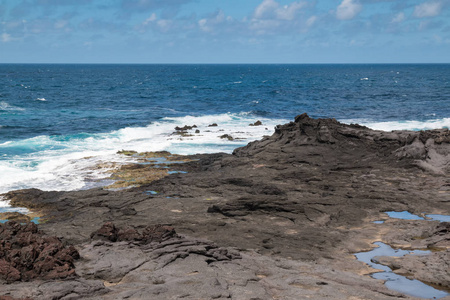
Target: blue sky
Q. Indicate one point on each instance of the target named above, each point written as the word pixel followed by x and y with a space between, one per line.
pixel 224 31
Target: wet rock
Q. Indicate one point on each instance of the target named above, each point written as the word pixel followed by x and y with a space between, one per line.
pixel 432 268
pixel 15 216
pixel 257 123
pixel 127 152
pixel 227 136
pixel 185 127
pixel 213 125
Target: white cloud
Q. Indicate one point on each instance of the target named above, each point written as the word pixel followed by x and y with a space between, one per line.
pixel 207 25
pixel 61 24
pixel 428 9
pixel 311 21
pixel 288 12
pixel 400 17
pixel 5 37
pixel 348 9
pixel 266 9
pixel 164 25
pixel 271 9
pixel 150 19
pixel 262 27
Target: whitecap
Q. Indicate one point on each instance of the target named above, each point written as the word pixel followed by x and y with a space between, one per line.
pixel 6 207
pixel 365 78
pixel 5 106
pixel 402 125
pixel 40 99
pixel 68 162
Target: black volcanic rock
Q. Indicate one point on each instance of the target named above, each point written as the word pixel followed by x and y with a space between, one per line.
pixel 293 207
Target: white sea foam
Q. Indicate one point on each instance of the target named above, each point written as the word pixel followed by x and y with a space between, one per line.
pixel 5 106
pixel 64 163
pixel 40 99
pixel 6 207
pixel 402 125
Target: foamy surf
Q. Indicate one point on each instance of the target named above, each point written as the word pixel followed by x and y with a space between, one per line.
pixel 5 106
pixel 402 125
pixel 72 162
pixel 6 207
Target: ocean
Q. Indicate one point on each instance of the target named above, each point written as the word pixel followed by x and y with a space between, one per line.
pixel 57 122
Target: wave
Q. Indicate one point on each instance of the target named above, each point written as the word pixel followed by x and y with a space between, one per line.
pixel 68 162
pixel 5 106
pixel 6 207
pixel 402 125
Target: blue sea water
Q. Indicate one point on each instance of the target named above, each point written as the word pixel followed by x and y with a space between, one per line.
pixel 59 121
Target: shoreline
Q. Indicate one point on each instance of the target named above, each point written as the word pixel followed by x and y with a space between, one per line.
pixel 304 198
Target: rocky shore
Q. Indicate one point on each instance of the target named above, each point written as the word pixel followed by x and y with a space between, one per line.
pixel 278 219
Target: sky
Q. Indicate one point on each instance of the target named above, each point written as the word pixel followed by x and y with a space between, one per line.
pixel 224 31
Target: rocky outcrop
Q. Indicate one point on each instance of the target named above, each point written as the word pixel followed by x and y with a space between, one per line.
pixel 430 150
pixel 26 253
pixel 279 218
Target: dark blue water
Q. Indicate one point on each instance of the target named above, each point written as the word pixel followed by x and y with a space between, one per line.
pixel 101 98
pixel 53 115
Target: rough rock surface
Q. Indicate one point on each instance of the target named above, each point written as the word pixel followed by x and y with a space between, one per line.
pixel 26 253
pixel 432 268
pixel 295 206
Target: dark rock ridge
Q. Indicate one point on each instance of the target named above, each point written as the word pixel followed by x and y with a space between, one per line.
pixel 294 207
pixel 27 253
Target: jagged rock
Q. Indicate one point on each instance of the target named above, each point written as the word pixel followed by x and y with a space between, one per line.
pixel 107 232
pixel 26 253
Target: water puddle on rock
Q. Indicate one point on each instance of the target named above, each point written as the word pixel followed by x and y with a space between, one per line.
pixel 406 215
pixel 177 172
pixel 440 218
pixel 394 281
pixel 152 193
